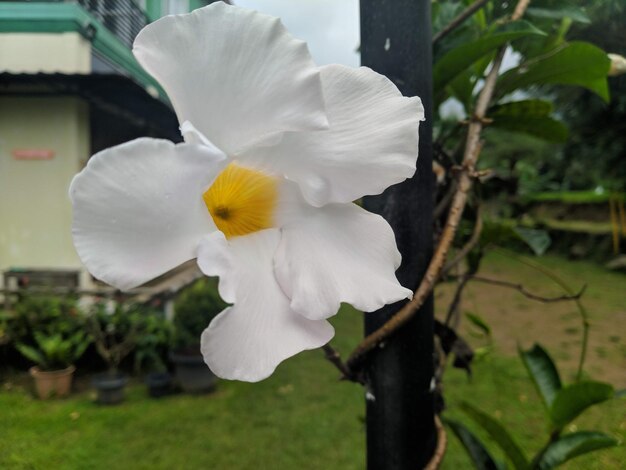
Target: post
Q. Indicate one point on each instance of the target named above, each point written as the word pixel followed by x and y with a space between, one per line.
pixel 396 41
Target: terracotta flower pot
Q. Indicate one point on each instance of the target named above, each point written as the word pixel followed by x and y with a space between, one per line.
pixel 56 383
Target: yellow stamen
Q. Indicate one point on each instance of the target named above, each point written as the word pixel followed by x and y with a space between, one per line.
pixel 242 201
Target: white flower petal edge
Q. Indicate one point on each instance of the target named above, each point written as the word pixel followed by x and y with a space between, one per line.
pixel 339 253
pixel 238 75
pixel 215 259
pixel 138 208
pixel 248 340
pixel 371 143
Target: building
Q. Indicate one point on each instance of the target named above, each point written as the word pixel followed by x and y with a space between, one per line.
pixel 69 87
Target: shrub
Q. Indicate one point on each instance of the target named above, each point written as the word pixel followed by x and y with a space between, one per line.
pixel 46 330
pixel 128 328
pixel 195 308
pixel 45 314
pixel 153 343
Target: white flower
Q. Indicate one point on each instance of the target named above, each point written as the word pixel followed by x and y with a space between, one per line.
pixel 276 149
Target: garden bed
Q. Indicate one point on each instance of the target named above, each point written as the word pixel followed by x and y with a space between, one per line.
pixel 302 417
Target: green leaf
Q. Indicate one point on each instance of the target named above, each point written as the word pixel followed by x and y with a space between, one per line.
pixel 462 57
pixel 542 127
pixel 80 349
pixel 522 108
pixel 576 63
pixel 461 87
pixel 501 232
pixel 572 445
pixel 31 353
pixel 576 398
pixel 562 11
pixel 543 373
pixel 479 323
pixel 481 458
pixel 530 117
pixel 443 13
pixel 537 240
pixel 499 434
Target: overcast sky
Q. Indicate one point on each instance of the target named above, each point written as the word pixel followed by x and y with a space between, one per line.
pixel 330 27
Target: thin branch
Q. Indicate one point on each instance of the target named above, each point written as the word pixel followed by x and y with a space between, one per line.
pixel 443 204
pixel 472 151
pixel 126 346
pixel 99 339
pixel 459 19
pixel 458 294
pixel 471 243
pixel 442 443
pixel 335 358
pixel 526 293
pixel 520 8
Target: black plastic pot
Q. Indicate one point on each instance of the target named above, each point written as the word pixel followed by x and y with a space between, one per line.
pixel 192 374
pixel 159 384
pixel 110 387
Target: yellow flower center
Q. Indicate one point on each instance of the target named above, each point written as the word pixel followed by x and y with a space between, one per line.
pixel 242 201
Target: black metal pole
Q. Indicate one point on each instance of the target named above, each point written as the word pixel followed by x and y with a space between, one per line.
pixel 396 41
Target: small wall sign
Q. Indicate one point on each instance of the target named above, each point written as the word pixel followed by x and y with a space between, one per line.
pixel 33 154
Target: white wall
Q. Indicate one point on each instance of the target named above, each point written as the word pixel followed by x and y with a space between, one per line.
pixel 35 211
pixel 44 52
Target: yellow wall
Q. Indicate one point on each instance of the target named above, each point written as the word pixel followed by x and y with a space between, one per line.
pixel 44 52
pixel 35 211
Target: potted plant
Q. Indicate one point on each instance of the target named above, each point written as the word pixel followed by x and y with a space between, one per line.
pixel 118 332
pixel 54 355
pixel 150 352
pixel 48 331
pixel 115 334
pixel 43 313
pixel 194 309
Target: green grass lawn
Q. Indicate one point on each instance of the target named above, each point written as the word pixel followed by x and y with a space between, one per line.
pixel 302 417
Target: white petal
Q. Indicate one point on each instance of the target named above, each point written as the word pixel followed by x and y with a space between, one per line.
pixel 194 136
pixel 370 145
pixel 339 253
pixel 247 341
pixel 138 208
pixel 236 74
pixel 215 258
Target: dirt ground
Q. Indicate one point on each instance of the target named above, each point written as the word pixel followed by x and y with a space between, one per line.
pixel 515 319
